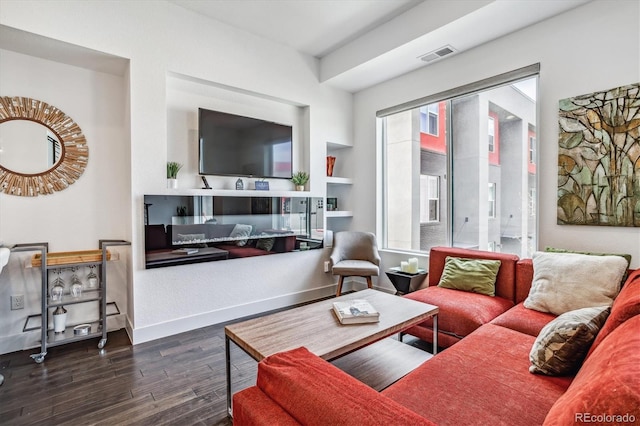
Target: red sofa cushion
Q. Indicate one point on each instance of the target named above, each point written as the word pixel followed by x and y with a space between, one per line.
pixel 425 333
pixel 315 392
pixel 524 278
pixel 608 382
pixel 484 379
pixel 251 407
pixel 505 280
pixel 524 320
pixel 461 312
pixel 625 306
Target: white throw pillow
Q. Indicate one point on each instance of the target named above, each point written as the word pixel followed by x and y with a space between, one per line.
pixel 564 282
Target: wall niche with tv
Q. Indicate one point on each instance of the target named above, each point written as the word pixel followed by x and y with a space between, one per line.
pixel 225 133
pixel 184 229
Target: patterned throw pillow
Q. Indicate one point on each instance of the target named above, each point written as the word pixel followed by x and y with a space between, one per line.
pixel 563 344
pixel 265 244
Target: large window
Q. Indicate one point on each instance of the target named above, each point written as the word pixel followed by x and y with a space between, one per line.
pixel 439 197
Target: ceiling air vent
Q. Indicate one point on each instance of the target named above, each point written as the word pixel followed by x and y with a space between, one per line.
pixel 437 54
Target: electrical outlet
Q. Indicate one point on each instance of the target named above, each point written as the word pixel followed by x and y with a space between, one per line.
pixel 17 302
pixel 326 266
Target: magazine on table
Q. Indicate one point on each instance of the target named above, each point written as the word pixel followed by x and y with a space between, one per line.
pixel 355 311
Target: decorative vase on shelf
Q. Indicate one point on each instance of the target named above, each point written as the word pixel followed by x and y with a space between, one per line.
pixel 172 183
pixel 299 187
pixel 331 162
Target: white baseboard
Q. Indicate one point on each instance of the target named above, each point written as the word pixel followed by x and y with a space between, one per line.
pixel 169 328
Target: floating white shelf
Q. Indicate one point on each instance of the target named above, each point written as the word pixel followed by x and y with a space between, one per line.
pixel 235 193
pixel 338 145
pixel 334 180
pixel 339 213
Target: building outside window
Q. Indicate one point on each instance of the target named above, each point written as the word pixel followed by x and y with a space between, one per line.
pixel 532 149
pixel 429 119
pixel 492 129
pixel 429 199
pixel 436 188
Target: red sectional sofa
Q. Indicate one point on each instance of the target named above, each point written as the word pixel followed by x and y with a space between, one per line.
pixel 483 379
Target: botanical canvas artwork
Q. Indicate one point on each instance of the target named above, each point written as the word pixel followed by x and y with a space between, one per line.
pixel 599 158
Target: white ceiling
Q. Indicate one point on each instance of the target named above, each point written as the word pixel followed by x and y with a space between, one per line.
pixel 314 27
pixel 360 43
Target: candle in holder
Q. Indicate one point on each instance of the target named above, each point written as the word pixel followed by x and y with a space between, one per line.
pixel 404 266
pixel 413 265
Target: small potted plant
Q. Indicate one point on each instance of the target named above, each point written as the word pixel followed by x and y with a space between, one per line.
pixel 172 174
pixel 300 179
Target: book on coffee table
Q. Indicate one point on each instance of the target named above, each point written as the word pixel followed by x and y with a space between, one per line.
pixel 355 311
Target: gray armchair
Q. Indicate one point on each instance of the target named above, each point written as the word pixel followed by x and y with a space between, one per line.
pixel 355 254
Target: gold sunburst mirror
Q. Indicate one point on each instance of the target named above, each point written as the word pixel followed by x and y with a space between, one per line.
pixel 42 150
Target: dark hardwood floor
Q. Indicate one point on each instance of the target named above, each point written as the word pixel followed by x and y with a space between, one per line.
pixel 174 380
pixel 178 380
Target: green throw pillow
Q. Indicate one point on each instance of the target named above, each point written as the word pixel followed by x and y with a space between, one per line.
pixel 474 275
pixel 562 345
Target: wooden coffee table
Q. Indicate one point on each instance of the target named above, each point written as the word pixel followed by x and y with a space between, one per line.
pixel 315 327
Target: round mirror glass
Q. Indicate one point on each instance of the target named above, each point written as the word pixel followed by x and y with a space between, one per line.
pixel 37 162
pixel 28 147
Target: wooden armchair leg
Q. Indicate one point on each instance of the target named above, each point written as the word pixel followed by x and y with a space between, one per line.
pixel 369 282
pixel 340 281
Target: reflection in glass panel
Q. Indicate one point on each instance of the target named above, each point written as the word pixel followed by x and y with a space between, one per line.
pixel 190 229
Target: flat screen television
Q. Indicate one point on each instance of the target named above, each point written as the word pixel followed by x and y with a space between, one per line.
pixel 233 145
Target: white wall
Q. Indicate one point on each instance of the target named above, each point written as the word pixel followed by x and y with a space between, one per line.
pixel 593 47
pixel 160 39
pixel 76 218
pixel 95 102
